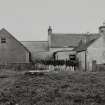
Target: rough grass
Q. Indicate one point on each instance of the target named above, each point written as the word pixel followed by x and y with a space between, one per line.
pixel 63 88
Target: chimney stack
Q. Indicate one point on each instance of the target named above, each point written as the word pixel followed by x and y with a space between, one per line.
pixel 49 30
pixel 102 29
pixel 49 36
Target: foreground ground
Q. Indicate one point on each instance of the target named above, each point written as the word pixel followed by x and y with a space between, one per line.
pixel 63 88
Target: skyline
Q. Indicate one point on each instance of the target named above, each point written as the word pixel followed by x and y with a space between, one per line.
pixel 29 20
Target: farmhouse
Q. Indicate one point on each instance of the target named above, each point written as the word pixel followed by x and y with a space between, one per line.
pixel 59 46
pixel 63 45
pixel 92 51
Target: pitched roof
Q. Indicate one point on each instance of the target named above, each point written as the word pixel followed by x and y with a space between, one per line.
pixel 68 40
pixel 38 49
pixel 4 31
pixel 36 46
pixel 83 46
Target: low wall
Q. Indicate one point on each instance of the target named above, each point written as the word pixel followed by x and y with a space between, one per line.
pixel 100 67
pixel 18 66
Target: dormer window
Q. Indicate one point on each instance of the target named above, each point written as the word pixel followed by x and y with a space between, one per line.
pixel 3 40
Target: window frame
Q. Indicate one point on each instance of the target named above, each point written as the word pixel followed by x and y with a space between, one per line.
pixel 3 40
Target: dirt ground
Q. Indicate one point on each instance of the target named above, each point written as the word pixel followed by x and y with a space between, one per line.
pixel 7 78
pixel 60 88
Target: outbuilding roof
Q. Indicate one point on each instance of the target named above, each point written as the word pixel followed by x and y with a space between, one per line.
pixel 36 46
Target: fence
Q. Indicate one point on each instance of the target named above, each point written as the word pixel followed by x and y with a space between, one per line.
pixel 56 65
pixel 99 67
pixel 43 65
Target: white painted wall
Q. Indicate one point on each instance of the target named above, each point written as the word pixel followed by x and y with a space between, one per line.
pixel 81 56
pixel 64 55
pixel 96 51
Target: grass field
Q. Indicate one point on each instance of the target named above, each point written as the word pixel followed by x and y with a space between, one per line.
pixel 63 88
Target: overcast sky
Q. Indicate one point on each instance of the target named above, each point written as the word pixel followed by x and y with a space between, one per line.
pixel 29 19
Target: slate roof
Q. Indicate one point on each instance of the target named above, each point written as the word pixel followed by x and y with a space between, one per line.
pixel 83 47
pixel 36 46
pixel 68 40
pixel 38 49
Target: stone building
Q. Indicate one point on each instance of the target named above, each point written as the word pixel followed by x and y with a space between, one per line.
pixel 92 51
pixel 11 50
pixel 60 46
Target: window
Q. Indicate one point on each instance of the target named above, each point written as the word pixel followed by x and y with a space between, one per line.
pixel 72 57
pixel 3 40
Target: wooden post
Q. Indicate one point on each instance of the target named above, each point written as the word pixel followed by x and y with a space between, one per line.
pixel 94 65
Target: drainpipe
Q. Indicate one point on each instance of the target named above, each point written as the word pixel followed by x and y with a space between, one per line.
pixel 85 59
pixel 86 51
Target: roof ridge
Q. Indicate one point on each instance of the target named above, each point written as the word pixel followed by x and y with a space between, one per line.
pixel 74 33
pixel 69 33
pixel 33 41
